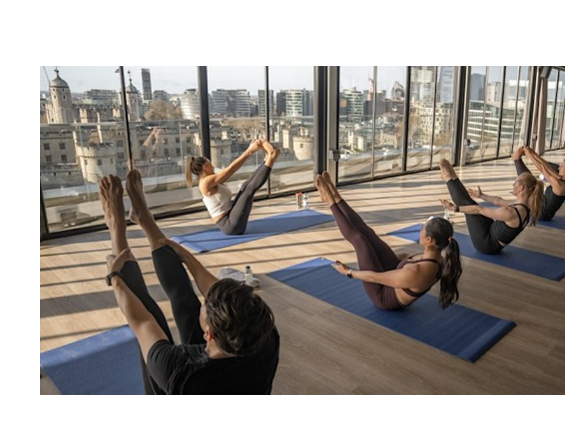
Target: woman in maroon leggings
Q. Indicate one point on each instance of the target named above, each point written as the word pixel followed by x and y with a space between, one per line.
pixel 392 283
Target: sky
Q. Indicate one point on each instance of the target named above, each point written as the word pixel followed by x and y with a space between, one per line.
pixel 176 79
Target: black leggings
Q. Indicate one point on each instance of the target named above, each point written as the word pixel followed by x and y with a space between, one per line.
pixel 235 221
pixel 478 225
pixel 551 202
pixel 185 304
pixel 373 254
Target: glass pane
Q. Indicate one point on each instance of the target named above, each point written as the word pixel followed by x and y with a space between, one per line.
pixel 558 120
pixel 551 94
pixel 420 127
pixel 508 111
pixel 475 117
pixel 389 123
pixel 234 118
pixel 520 126
pixel 82 138
pixel 165 130
pixel 492 112
pixel 355 132
pixel 292 127
pixel 444 114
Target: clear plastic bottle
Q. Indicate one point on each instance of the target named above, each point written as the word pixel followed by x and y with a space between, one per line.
pixel 305 201
pixel 248 276
pixel 446 214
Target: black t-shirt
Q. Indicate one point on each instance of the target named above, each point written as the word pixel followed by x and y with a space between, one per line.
pixel 187 369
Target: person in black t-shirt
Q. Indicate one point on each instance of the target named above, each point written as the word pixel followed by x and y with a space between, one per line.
pixel 229 345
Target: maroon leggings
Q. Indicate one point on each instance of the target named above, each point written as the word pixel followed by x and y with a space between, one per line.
pixel 373 254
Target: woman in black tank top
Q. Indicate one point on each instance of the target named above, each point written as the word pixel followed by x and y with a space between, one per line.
pixel 554 194
pixel 389 282
pixel 491 229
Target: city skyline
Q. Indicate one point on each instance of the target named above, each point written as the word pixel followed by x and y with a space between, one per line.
pixel 177 79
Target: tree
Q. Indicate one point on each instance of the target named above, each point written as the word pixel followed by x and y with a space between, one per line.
pixel 162 111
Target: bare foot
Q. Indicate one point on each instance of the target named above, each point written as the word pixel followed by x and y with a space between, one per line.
pixel 112 199
pixel 332 188
pixel 447 172
pixel 134 187
pixel 271 150
pixel 325 192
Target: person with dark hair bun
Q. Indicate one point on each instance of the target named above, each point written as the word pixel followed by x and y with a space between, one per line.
pixel 391 281
pixel 231 216
pixel 228 345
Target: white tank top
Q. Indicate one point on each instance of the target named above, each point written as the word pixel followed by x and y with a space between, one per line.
pixel 219 203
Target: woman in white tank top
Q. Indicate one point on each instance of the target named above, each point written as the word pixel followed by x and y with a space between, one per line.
pixel 231 216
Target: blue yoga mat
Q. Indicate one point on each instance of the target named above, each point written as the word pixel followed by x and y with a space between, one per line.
pixel 540 264
pixel 557 222
pixel 105 364
pixel 457 330
pixel 205 241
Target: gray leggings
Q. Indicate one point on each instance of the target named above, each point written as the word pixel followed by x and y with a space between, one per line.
pixel 235 221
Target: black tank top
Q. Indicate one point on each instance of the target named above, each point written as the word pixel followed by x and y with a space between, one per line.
pixel 505 234
pixel 405 261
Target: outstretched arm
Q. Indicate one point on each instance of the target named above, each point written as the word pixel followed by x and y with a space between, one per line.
pixel 210 182
pixel 547 170
pixel 204 279
pixel 502 213
pixel 141 321
pixel 493 200
pixel 398 278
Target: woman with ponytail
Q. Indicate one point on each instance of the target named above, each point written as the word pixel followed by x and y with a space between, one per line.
pixel 390 281
pixel 231 216
pixel 554 194
pixel 491 229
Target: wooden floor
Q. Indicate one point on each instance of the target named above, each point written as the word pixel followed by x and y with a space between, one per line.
pixel 325 350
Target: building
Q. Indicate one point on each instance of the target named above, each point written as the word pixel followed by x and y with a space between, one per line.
pixel 422 83
pixel 298 103
pixel 190 104
pixel 446 86
pixel 351 104
pixel 43 105
pixel 133 100
pixel 60 108
pixel 100 97
pixel 262 109
pixel 146 84
pixel 234 103
pixel 161 95
pixel 477 87
pixel 280 108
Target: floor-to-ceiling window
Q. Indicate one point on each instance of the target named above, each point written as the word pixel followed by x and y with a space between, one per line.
pixel 82 137
pixel 558 138
pixel 520 131
pixel 555 95
pixel 292 126
pixel 355 132
pixel 165 132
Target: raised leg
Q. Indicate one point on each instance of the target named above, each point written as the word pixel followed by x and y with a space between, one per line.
pixel 169 268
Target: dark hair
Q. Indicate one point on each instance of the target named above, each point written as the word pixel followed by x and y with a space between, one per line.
pixel 534 190
pixel 194 165
pixel 441 231
pixel 240 321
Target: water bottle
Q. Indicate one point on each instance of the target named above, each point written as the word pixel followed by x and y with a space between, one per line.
pixel 305 201
pixel 446 214
pixel 248 276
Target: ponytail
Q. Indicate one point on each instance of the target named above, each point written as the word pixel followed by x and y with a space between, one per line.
pixel 450 272
pixel 534 190
pixel 194 166
pixel 441 231
pixel 536 201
